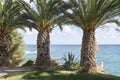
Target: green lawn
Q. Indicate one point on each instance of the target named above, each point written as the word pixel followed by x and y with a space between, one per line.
pixel 58 75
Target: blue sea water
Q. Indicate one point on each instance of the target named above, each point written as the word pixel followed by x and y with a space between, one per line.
pixel 109 55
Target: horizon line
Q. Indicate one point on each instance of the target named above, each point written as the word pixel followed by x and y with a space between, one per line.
pixel 73 44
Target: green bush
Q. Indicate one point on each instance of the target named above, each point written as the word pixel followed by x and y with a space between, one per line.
pixel 53 62
pixel 54 65
pixel 70 63
pixel 16 48
pixel 29 63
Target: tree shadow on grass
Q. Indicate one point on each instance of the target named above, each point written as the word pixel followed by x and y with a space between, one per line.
pixel 50 75
pixel 11 74
pixel 56 75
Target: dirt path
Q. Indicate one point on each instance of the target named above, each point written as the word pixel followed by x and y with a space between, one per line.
pixel 15 69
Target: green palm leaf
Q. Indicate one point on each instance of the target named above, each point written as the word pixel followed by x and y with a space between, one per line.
pixel 90 14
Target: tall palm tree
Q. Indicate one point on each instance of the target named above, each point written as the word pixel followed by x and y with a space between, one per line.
pixel 46 15
pixel 10 19
pixel 89 15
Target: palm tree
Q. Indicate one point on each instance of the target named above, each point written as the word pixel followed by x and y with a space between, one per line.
pixel 46 15
pixel 10 19
pixel 89 15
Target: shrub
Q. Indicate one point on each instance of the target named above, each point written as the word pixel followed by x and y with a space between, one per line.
pixel 29 63
pixel 16 48
pixel 54 65
pixel 70 63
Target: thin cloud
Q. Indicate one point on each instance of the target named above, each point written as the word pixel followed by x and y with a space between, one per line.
pixel 69 29
pixel 108 34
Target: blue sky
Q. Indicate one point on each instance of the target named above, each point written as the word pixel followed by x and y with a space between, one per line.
pixel 73 35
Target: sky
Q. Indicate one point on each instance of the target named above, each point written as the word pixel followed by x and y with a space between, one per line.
pixel 73 35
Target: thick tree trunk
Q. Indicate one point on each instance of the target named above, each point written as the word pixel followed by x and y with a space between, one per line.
pixel 43 48
pixel 4 44
pixel 88 52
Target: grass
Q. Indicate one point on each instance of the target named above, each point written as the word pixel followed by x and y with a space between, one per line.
pixel 57 75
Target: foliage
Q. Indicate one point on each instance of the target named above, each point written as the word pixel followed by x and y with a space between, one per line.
pixel 70 63
pixel 46 13
pixel 29 63
pixel 10 16
pixel 16 48
pixel 54 65
pixel 91 14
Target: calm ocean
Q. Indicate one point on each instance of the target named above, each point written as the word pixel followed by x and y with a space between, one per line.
pixel 108 55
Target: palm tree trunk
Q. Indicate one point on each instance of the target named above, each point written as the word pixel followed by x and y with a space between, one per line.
pixel 88 52
pixel 4 44
pixel 43 48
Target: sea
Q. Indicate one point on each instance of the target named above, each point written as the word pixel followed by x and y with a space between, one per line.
pixel 108 56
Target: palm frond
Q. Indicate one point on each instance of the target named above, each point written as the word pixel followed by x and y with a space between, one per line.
pixel 90 14
pixel 46 13
pixel 9 11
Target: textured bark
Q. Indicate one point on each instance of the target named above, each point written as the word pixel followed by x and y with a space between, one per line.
pixel 4 56
pixel 88 52
pixel 43 48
